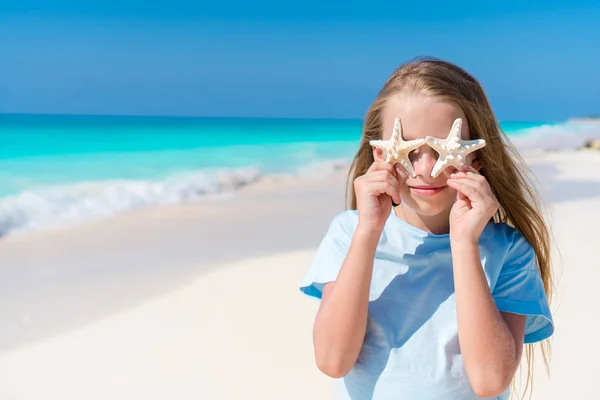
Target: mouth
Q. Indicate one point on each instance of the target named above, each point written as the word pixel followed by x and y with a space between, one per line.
pixel 427 190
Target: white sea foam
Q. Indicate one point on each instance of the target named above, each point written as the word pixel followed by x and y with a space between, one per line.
pixel 566 136
pixel 79 202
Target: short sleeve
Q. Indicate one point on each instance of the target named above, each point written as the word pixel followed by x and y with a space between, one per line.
pixel 520 290
pixel 329 257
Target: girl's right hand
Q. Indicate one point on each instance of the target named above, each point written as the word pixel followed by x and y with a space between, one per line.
pixel 375 191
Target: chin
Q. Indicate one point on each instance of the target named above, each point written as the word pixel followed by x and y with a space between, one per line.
pixel 427 210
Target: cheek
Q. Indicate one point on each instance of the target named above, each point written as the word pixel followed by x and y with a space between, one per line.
pixel 450 195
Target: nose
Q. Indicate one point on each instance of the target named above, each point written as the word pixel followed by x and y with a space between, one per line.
pixel 424 160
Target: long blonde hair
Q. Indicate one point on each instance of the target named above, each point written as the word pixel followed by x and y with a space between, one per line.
pixel 503 167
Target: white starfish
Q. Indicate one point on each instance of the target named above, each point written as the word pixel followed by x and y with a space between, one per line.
pixel 398 149
pixel 452 150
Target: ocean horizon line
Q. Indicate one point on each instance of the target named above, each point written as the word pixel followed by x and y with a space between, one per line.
pixel 167 116
pixel 241 117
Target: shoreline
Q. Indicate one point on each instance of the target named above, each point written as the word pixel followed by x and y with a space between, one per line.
pixel 313 175
pixel 539 161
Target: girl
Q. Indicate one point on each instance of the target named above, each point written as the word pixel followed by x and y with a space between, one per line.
pixel 432 282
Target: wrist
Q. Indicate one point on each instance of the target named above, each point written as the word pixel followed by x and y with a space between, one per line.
pixel 367 233
pixel 468 241
pixel 464 245
pixel 464 239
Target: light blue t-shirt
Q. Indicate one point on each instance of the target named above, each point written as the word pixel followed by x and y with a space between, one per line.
pixel 411 349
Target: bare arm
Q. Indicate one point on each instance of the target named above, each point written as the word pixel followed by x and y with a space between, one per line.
pixel 491 342
pixel 341 321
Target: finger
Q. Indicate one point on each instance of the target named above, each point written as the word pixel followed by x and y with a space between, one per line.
pixel 386 188
pixel 381 165
pixel 401 173
pixel 476 176
pixel 468 181
pixel 397 183
pixel 478 182
pixel 468 188
pixel 393 182
pixel 383 176
pixel 484 199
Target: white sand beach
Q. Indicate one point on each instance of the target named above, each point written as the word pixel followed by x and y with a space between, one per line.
pixel 202 301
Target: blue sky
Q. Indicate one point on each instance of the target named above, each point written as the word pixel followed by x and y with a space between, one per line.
pixel 538 60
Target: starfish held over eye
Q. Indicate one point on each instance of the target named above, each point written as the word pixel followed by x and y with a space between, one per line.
pixel 397 149
pixel 452 150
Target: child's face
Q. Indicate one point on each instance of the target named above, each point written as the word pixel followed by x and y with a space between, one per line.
pixel 420 117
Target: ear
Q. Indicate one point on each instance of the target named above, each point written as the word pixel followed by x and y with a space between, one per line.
pixel 378 154
pixel 477 164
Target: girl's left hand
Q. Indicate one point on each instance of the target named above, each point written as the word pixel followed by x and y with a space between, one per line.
pixel 474 207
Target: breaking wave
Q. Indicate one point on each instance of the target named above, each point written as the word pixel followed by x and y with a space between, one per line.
pixel 83 201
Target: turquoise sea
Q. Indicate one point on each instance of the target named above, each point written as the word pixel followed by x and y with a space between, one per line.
pixel 56 168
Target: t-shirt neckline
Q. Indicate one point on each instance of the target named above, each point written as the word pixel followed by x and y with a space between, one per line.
pixel 417 231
